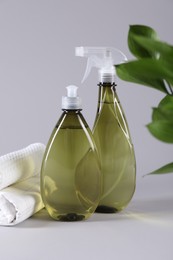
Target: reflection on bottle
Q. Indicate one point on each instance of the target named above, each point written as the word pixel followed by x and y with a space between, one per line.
pixel 87 180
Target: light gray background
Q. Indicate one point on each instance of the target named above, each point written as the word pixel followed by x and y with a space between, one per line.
pixel 37 62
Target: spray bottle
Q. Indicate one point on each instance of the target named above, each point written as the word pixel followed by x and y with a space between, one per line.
pixel 110 131
pixel 71 180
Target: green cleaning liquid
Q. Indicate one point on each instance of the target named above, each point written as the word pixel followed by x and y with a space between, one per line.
pixel 110 131
pixel 113 141
pixel 70 177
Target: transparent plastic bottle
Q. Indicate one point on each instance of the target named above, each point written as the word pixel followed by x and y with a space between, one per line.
pixel 110 131
pixel 71 180
pixel 118 166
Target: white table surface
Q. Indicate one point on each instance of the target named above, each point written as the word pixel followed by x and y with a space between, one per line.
pixel 143 231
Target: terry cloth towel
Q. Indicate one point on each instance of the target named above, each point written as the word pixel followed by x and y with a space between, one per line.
pixel 20 201
pixel 20 165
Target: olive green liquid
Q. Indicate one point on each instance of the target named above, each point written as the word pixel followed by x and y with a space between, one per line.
pixel 118 167
pixel 70 176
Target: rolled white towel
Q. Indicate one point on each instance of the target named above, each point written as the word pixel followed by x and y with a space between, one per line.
pixel 20 201
pixel 20 165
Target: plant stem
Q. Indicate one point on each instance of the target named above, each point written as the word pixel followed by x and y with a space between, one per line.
pixel 168 86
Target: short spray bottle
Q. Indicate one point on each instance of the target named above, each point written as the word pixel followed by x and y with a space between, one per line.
pixel 71 180
pixel 110 131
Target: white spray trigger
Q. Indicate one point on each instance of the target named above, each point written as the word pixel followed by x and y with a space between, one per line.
pixel 92 61
pixel 103 58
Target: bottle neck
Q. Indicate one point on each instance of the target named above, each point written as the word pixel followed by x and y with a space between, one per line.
pixel 71 119
pixel 107 93
pixel 71 111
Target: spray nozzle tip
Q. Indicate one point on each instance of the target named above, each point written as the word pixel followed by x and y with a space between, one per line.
pixel 79 51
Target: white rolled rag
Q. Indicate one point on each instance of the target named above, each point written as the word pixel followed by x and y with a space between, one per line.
pixel 20 201
pixel 20 165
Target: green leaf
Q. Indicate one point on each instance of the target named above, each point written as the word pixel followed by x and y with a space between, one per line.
pixel 167 102
pixel 157 114
pixel 164 169
pixel 135 47
pixel 164 54
pixel 164 50
pixel 162 114
pixel 162 130
pixel 164 111
pixel 148 72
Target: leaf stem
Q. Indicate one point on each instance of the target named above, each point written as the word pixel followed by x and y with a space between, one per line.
pixel 168 86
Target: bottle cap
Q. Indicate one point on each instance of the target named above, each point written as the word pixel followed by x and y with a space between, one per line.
pixel 71 101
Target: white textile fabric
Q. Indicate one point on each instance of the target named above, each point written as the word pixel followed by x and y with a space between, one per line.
pixel 20 194
pixel 20 165
pixel 20 201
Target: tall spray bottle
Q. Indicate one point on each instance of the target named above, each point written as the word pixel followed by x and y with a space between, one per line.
pixel 71 180
pixel 110 131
